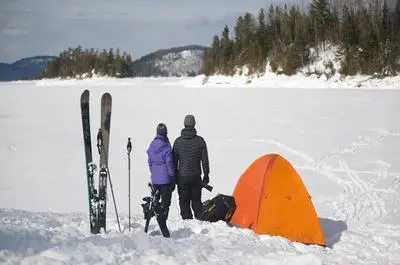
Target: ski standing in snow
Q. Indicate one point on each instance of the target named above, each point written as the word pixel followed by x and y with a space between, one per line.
pixel 90 167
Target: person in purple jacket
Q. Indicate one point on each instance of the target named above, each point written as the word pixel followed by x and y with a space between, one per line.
pixel 162 170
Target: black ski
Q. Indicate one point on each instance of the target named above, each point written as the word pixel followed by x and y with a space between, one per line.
pixel 152 207
pixel 90 167
pixel 103 137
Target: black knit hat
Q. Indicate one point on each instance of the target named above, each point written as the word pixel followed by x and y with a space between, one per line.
pixel 162 129
pixel 189 121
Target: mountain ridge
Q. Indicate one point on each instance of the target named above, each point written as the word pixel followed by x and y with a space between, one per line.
pixel 24 68
pixel 176 61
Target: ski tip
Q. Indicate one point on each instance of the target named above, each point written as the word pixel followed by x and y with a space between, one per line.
pixel 106 96
pixel 85 96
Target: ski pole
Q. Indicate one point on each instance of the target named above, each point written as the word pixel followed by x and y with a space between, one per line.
pixel 112 192
pixel 100 146
pixel 129 149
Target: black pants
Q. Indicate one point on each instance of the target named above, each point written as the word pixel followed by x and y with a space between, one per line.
pixel 189 190
pixel 165 194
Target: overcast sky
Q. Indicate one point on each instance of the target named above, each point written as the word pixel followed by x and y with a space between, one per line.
pixel 46 27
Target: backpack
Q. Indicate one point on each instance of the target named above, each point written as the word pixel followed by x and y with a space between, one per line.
pixel 219 208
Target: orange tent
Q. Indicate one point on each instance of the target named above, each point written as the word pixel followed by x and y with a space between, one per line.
pixel 272 199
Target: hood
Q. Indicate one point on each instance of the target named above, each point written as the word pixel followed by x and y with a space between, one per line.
pixel 188 133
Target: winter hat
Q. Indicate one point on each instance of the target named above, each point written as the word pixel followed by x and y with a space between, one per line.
pixel 189 121
pixel 162 129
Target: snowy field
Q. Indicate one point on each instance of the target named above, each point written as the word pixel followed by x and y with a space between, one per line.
pixel 344 141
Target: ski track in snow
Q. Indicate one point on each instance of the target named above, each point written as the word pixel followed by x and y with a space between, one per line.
pixel 360 201
pixel 366 202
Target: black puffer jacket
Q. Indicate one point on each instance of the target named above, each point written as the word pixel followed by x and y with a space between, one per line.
pixel 190 153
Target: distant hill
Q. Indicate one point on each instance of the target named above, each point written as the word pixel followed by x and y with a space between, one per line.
pixel 26 68
pixel 177 61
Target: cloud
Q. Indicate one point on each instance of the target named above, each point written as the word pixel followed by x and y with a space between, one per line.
pixel 29 27
pixel 13 32
pixel 204 21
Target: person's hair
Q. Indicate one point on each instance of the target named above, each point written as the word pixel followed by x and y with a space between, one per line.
pixel 162 129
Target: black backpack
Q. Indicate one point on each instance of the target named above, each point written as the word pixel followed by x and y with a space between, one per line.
pixel 219 208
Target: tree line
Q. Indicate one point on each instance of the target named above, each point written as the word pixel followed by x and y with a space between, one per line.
pixel 367 34
pixel 75 62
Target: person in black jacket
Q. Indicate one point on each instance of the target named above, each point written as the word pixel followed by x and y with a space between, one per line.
pixel 190 157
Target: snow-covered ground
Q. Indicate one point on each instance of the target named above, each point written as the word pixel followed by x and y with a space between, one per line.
pixel 271 80
pixel 343 142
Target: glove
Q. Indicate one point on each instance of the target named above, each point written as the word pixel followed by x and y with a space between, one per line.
pixel 206 179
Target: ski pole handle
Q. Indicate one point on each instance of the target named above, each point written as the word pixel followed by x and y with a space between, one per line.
pixel 129 146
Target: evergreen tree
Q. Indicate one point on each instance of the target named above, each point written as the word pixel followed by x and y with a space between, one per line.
pixel 249 37
pixel 262 36
pixel 238 41
pixel 286 35
pixel 208 62
pixel 78 62
pixel 320 15
pixel 301 42
pixel 368 34
pixel 226 52
pixel 118 63
pixel 385 21
pixel 216 47
pixel 110 62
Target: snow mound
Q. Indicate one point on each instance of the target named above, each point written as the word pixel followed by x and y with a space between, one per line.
pixel 49 238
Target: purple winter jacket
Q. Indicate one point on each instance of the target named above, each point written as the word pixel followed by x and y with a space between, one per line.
pixel 160 160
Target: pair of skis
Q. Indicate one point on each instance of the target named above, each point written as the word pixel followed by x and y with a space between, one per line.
pixel 97 198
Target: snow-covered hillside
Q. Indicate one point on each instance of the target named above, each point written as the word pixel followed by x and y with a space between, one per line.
pixel 343 142
pixel 322 72
pixel 183 63
pixel 37 60
pixel 180 61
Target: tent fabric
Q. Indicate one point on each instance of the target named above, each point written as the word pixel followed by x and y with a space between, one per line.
pixel 272 199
